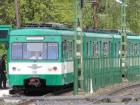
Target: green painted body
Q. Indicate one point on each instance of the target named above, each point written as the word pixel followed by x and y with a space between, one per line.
pixel 99 71
pixel 51 80
pixel 49 36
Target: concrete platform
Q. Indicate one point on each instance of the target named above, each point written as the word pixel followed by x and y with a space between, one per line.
pixel 4 92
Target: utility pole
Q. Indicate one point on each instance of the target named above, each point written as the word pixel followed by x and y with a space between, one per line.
pixel 17 13
pixel 123 39
pixel 78 52
pixel 95 5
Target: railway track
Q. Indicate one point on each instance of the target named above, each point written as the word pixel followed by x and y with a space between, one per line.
pixel 128 94
pixel 49 91
pixel 117 97
pixel 132 89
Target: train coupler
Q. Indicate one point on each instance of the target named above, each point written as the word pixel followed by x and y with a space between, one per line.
pixel 34 82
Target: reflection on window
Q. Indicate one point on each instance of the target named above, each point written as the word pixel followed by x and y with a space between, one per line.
pixel 64 49
pixel 67 50
pixel 88 49
pixel 135 49
pixel 17 51
pixel 70 51
pixel 35 51
pixel 119 49
pixel 96 50
pixel 52 51
pixel 132 49
pixel 115 53
pixel 106 48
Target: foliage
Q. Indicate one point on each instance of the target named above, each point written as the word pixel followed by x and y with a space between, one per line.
pixel 133 15
pixel 62 11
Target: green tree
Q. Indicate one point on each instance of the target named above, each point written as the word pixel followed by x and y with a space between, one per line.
pixel 62 11
pixel 133 15
pixel 7 15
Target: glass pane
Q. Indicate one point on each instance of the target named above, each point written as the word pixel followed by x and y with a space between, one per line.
pixel 17 51
pixel 52 51
pixel 64 50
pixel 106 48
pixel 69 50
pixel 135 49
pixel 88 49
pixel 96 49
pixel 33 51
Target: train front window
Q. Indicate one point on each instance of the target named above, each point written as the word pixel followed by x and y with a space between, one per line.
pixel 52 49
pixel 17 51
pixel 35 51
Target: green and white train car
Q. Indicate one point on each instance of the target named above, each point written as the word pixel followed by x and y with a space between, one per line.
pixel 40 56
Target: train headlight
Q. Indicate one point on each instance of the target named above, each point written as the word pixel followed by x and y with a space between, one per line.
pixel 14 68
pixel 54 68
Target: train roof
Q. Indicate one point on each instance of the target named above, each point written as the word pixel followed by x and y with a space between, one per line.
pixel 44 31
pixel 134 37
pixel 40 31
pixel 103 35
pixel 33 31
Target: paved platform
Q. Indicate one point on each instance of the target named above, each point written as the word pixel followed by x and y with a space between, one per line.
pixel 4 92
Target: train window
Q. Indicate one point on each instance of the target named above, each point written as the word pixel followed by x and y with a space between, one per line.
pixel 105 48
pixel 67 50
pixel 119 49
pixel 52 50
pixel 64 44
pixel 135 49
pixel 93 49
pixel 88 49
pixel 115 50
pixel 64 49
pixel 96 49
pixel 139 49
pixel 129 49
pixel 35 51
pixel 17 51
pixel 3 33
pixel 70 51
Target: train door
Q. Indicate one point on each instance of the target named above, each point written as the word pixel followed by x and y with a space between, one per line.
pixel 67 58
pixel 64 58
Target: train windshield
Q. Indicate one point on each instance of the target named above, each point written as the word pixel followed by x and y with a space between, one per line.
pixel 35 51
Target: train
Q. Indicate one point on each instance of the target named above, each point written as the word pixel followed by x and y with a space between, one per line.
pixel 41 57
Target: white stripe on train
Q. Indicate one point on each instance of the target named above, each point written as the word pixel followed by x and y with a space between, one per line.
pixel 23 68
